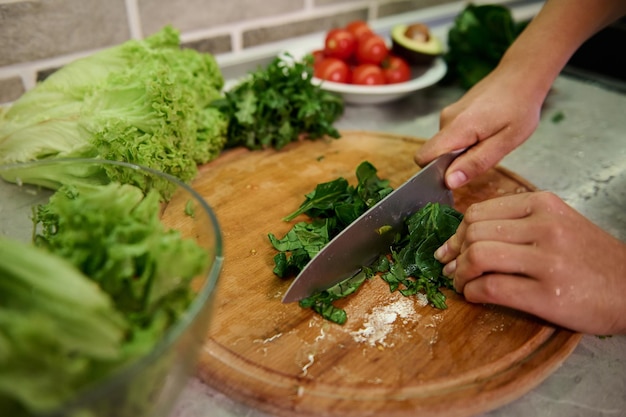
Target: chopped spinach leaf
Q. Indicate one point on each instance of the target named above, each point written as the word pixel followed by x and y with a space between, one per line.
pixel 322 302
pixel 558 117
pixel 409 268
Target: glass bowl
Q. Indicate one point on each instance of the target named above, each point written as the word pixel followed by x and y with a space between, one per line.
pixel 150 384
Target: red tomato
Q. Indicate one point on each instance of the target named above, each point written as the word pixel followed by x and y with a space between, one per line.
pixel 371 49
pixel 396 70
pixel 339 43
pixel 318 55
pixel 358 28
pixel 368 74
pixel 332 69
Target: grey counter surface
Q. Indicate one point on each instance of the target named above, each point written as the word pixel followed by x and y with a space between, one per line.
pixel 582 159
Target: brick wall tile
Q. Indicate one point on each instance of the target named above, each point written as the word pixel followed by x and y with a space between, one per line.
pixel 188 15
pixel 276 33
pixel 398 7
pixel 11 89
pixel 213 45
pixel 33 30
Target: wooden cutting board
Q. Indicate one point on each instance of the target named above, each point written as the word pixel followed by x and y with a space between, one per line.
pixel 395 356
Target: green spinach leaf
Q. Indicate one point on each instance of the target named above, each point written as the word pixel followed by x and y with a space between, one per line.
pixel 409 268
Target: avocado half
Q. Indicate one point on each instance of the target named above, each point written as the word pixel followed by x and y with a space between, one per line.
pixel 415 44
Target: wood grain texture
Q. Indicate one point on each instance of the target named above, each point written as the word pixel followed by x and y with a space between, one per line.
pixel 415 360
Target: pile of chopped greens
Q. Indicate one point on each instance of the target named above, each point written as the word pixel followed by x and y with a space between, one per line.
pixel 99 286
pixel 144 101
pixel 278 104
pixel 331 206
pixel 477 40
pixel 410 267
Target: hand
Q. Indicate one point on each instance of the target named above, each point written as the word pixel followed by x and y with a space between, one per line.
pixel 491 119
pixel 534 253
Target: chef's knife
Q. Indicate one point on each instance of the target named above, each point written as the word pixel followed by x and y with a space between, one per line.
pixel 372 234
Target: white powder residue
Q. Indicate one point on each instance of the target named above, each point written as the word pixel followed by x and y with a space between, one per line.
pixel 379 323
pixel 422 299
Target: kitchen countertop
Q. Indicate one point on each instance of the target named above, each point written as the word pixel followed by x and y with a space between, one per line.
pixel 581 158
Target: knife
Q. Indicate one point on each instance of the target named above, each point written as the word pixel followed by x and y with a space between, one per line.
pixel 372 234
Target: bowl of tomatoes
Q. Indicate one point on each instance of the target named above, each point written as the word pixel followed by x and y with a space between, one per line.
pixel 358 63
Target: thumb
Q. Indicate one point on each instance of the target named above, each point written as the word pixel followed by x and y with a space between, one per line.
pixel 477 160
pixel 451 138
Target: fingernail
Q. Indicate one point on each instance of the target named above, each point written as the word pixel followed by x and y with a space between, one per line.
pixel 456 179
pixel 449 268
pixel 441 251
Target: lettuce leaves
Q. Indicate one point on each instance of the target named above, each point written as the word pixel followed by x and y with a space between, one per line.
pixel 145 102
pixel 97 289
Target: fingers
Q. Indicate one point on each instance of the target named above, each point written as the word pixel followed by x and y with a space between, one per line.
pixel 510 207
pixel 490 220
pixel 478 159
pixel 517 292
pixel 484 258
pixel 442 143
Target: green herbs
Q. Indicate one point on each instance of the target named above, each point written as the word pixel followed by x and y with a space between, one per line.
pixel 322 302
pixel 331 207
pixel 477 41
pixel 558 117
pixel 409 268
pixel 412 267
pixel 278 104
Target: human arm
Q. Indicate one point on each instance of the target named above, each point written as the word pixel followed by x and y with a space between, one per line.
pixel 500 112
pixel 534 253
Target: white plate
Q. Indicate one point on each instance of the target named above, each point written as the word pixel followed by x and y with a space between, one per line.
pixel 421 77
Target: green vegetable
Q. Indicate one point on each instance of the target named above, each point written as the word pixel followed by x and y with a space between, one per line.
pixel 102 282
pixel 56 335
pixel 277 105
pixel 332 206
pixel 558 117
pixel 413 267
pixel 144 102
pixel 113 234
pixel 322 302
pixel 477 41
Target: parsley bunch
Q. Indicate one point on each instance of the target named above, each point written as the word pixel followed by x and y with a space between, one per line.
pixel 277 104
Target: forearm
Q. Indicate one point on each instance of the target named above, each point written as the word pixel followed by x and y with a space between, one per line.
pixel 550 39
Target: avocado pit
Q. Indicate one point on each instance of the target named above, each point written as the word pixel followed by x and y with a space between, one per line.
pixel 415 43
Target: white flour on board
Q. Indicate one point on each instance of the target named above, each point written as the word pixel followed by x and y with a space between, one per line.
pixel 380 322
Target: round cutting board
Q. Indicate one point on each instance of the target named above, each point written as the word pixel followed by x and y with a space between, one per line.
pixel 395 355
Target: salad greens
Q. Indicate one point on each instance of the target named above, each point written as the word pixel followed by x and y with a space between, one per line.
pixel 410 267
pixel 56 335
pixel 477 40
pixel 143 101
pixel 332 206
pixel 279 104
pixel 120 280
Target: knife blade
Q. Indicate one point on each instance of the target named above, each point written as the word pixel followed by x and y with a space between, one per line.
pixel 372 234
